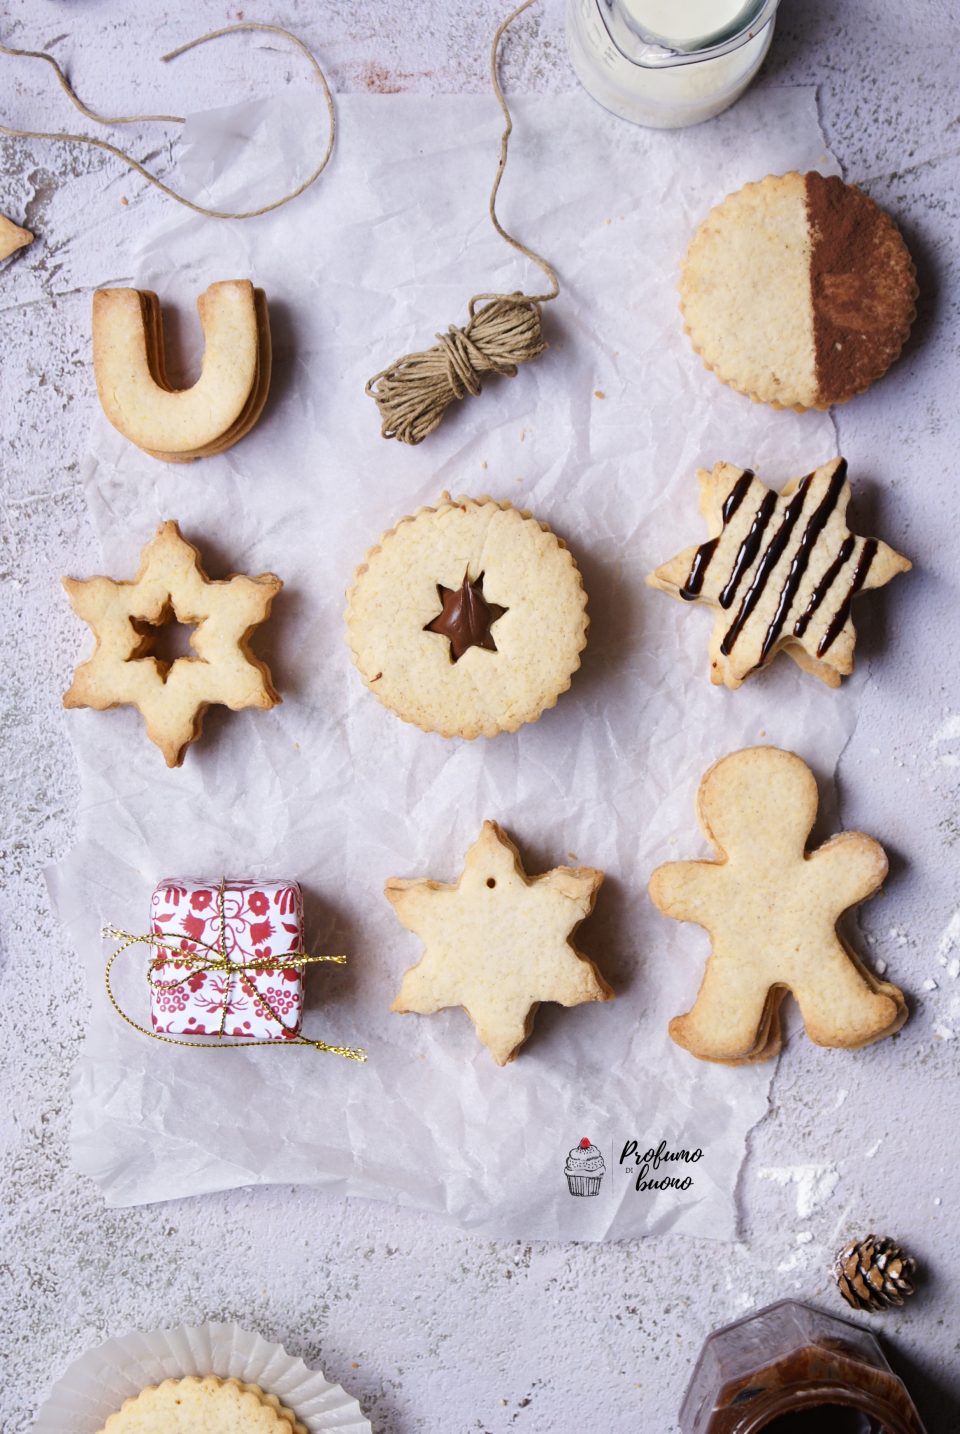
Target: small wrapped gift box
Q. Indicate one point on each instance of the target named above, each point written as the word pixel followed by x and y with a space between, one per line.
pixel 219 926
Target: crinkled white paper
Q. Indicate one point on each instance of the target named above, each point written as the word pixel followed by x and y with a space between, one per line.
pixel 600 438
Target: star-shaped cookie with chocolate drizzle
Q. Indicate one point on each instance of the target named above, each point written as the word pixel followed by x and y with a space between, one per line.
pixel 782 570
pixel 172 696
pixel 498 942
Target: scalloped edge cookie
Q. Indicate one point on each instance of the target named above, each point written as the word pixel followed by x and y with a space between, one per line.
pixel 528 572
pixel 208 1405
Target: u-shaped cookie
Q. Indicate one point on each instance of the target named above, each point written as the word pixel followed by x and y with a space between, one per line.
pixel 177 425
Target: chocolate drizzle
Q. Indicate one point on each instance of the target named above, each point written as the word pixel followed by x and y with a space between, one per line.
pixel 801 558
pixel 466 617
pixel 701 558
pixel 824 585
pixel 748 548
pixel 698 569
pixel 772 555
pixel 736 495
pixel 856 583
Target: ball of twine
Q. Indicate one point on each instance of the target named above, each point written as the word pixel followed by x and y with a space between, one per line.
pixel 413 393
pixel 503 330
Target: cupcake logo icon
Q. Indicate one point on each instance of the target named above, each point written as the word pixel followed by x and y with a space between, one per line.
pixel 584 1169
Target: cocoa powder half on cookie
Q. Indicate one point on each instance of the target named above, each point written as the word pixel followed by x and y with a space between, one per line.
pixel 863 288
pixel 798 291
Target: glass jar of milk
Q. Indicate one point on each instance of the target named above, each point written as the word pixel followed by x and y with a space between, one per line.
pixel 668 63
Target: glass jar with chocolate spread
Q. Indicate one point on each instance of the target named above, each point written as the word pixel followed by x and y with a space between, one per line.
pixel 789 1369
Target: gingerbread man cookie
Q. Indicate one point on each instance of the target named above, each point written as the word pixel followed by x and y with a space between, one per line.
pixel 498 942
pixel 771 909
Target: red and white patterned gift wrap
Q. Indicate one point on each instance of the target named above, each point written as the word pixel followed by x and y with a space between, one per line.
pixel 259 919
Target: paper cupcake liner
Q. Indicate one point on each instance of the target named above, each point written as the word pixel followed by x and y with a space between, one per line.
pixel 584 1184
pixel 97 1383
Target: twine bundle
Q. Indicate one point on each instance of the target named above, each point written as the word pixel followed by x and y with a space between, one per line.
pixel 503 330
pixel 93 143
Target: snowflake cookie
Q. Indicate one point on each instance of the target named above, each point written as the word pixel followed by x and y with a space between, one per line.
pixel 125 616
pixel 498 942
pixel 12 237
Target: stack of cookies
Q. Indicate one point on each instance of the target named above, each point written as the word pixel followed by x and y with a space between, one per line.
pixel 178 425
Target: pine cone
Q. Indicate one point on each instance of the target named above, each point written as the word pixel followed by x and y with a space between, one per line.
pixel 873 1274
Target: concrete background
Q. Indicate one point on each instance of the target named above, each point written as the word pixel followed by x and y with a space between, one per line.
pixel 433 1329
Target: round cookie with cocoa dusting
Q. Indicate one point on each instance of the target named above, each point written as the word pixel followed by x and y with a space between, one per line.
pixel 798 291
pixel 468 619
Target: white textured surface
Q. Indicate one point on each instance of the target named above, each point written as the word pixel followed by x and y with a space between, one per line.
pixel 431 1329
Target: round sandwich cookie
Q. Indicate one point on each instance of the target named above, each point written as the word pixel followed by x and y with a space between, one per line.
pixel 203 1406
pixel 468 619
pixel 798 291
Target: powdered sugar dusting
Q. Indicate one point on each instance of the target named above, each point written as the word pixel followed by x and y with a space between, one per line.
pixel 815 1184
pixel 947 732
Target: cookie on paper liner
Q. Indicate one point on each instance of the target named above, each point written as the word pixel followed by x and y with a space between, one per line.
pixel 498 942
pixel 468 619
pixel 798 291
pixel 203 1406
pixel 192 1379
pixel 771 909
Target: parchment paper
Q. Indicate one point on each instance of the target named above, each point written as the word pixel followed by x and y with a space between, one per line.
pixel 601 438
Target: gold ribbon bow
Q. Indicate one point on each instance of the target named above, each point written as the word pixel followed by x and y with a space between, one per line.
pixel 215 958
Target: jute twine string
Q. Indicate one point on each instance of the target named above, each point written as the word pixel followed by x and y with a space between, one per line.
pixel 216 958
pixel 94 143
pixel 503 330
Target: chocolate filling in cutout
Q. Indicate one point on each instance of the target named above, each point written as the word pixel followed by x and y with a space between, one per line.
pixel 466 617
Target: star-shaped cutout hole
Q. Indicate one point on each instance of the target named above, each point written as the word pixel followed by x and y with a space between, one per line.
pixel 166 640
pixel 782 570
pixel 172 691
pixel 466 617
pixel 498 942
